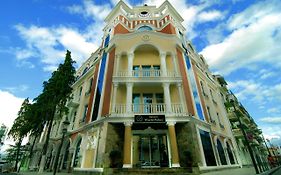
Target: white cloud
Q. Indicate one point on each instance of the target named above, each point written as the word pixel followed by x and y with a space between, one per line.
pixel 274 120
pixel 272 132
pixel 255 38
pixel 267 74
pixel 257 92
pixel 273 110
pixel 210 16
pixel 254 13
pixel 89 9
pixel 18 88
pixel 50 44
pixel 10 105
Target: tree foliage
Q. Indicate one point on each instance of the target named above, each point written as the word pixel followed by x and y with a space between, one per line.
pixel 56 92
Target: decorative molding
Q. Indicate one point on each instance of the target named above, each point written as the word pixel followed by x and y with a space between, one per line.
pixel 128 123
pixel 145 37
pixel 171 123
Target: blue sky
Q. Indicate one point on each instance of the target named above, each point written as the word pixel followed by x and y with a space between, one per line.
pixel 240 39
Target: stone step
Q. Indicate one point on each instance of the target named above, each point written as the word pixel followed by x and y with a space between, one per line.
pixel 144 171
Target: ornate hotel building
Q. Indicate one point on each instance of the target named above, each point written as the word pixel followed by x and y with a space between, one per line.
pixel 145 99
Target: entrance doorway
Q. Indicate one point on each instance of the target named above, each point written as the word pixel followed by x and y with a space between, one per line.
pixel 150 151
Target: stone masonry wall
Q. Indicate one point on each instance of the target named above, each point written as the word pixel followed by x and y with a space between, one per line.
pixel 188 145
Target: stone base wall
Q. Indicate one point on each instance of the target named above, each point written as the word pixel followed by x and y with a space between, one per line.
pixel 114 145
pixel 188 145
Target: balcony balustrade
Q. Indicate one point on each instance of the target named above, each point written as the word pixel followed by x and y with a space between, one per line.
pixel 73 103
pixel 145 73
pixel 152 108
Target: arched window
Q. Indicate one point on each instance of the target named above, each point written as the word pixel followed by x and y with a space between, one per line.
pixel 65 158
pixel 207 148
pixel 144 28
pixel 230 155
pixel 221 152
pixel 77 154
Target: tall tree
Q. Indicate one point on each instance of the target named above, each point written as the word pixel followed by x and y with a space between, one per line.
pixel 55 94
pixel 20 128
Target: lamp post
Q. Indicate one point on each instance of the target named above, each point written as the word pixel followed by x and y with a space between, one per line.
pixel 244 135
pixel 64 130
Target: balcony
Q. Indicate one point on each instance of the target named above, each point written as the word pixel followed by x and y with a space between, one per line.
pixel 153 108
pixel 146 75
pixel 237 132
pixel 73 103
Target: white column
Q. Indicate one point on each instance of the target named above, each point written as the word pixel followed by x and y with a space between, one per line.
pixel 130 63
pixel 175 64
pixel 179 86
pixel 129 97
pixel 117 58
pixel 167 97
pixel 163 64
pixel 127 153
pixel 115 86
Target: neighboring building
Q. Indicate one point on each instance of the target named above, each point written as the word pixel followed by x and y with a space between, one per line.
pixel 3 133
pixel 236 112
pixel 144 99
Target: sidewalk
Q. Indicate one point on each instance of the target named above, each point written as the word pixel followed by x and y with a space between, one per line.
pixel 236 171
pixel 242 171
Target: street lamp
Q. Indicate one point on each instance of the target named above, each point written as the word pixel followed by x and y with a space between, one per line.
pixel 65 124
pixel 231 98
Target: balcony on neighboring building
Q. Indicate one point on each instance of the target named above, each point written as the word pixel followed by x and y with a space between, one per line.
pixel 237 132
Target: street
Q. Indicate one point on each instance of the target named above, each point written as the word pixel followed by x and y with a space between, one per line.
pixel 278 172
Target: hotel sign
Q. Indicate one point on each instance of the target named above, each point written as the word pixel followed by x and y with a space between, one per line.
pixel 149 118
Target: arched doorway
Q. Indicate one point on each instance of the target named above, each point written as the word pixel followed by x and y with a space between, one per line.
pixel 230 153
pixel 221 153
pixel 77 157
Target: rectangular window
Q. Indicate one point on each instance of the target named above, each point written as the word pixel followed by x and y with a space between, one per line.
pixel 159 98
pixel 156 69
pixel 211 93
pixel 90 85
pixel 146 70
pixel 159 102
pixel 85 113
pixel 203 89
pixel 73 119
pixel 99 87
pixel 106 41
pixel 147 103
pixel 80 92
pixel 194 87
pixel 218 117
pixel 207 148
pixel 136 70
pixel 136 103
pixel 209 112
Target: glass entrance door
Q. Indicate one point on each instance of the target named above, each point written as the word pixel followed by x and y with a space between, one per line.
pixel 150 151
